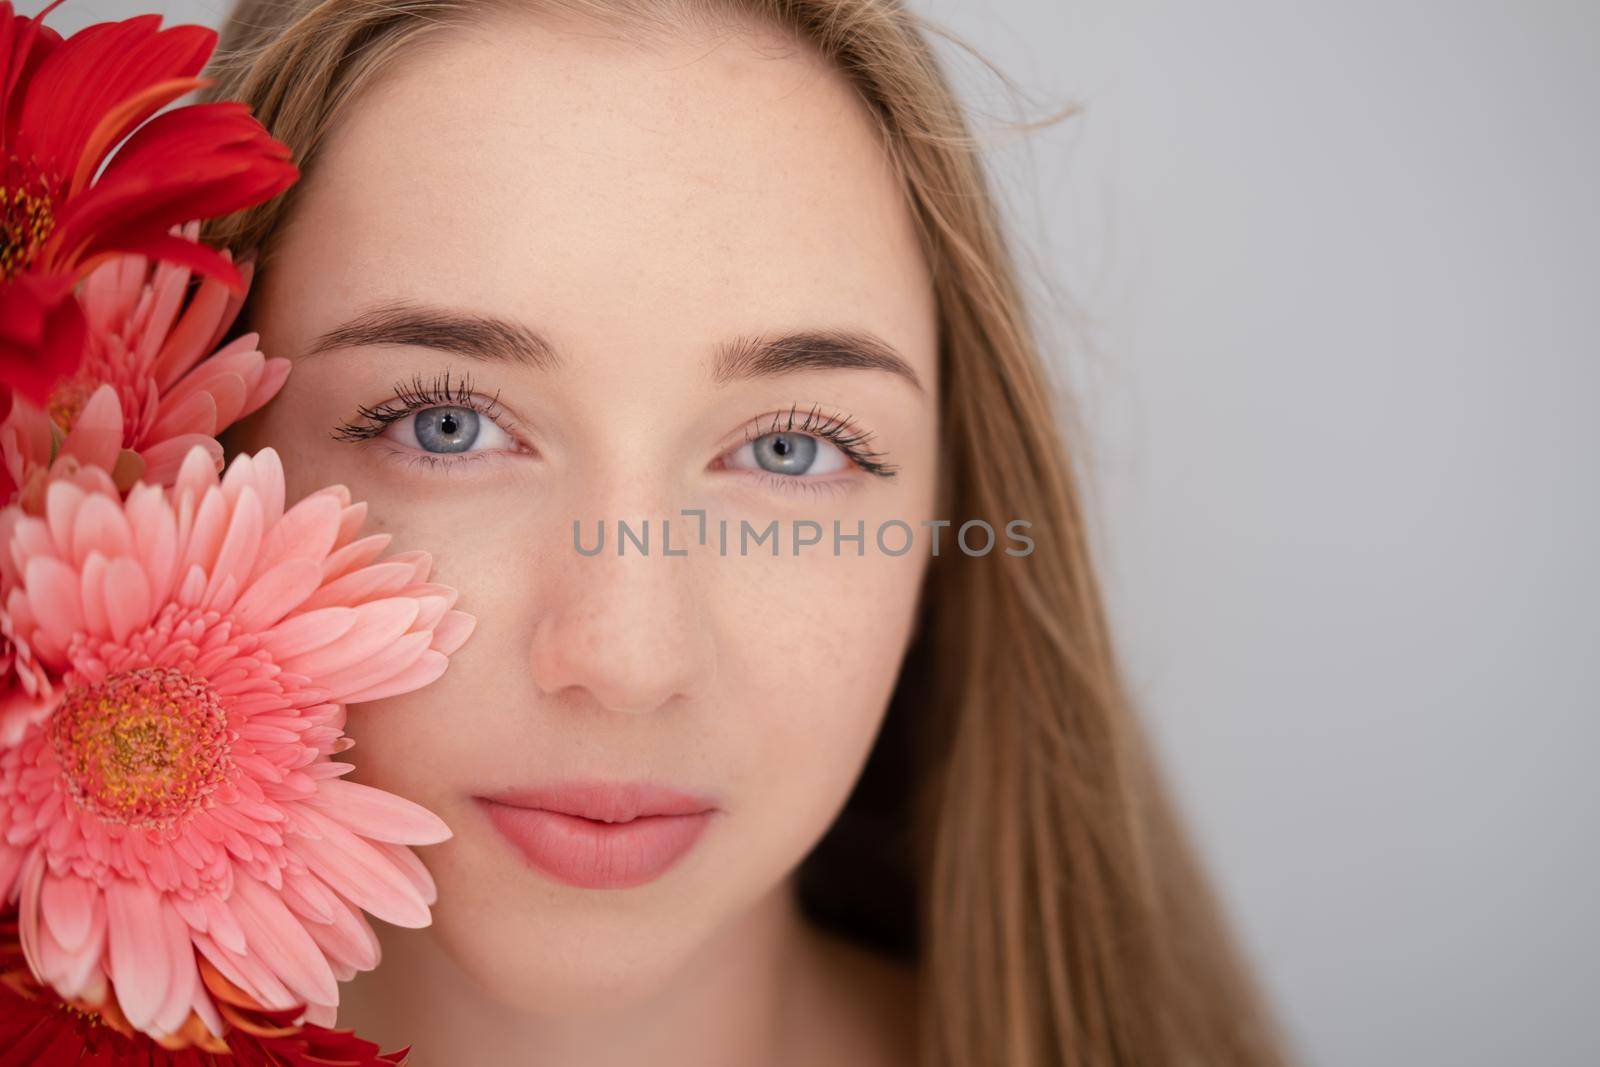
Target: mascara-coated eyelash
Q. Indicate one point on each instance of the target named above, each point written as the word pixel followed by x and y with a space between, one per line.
pixel 838 428
pixel 416 395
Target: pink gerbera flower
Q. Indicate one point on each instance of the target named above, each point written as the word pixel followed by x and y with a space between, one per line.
pixel 155 341
pixel 180 797
pixel 152 339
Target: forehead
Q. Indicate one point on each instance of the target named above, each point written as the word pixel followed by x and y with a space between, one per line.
pixel 597 186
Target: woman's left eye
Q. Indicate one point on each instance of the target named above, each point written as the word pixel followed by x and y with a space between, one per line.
pixel 447 429
pixel 788 452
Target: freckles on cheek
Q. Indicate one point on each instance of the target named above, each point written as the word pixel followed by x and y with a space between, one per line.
pixel 821 660
pixel 816 708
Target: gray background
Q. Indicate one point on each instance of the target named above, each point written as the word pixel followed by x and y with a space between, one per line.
pixel 1324 279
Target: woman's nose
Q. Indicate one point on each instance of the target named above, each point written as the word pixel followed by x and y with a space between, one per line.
pixel 630 630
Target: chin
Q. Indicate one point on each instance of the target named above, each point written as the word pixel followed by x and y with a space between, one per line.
pixel 545 959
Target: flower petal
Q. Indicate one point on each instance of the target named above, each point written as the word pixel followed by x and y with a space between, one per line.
pixel 163 460
pixel 358 872
pixel 378 668
pixel 96 434
pixel 52 586
pixel 276 593
pixel 182 977
pixel 379 624
pixel 453 631
pixel 128 602
pixel 425 671
pixel 309 631
pixel 94 70
pixel 278 939
pixel 305 531
pixel 67 904
pixel 378 815
pixel 141 966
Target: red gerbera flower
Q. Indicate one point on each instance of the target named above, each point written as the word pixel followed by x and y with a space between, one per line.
pixel 40 1029
pixel 64 106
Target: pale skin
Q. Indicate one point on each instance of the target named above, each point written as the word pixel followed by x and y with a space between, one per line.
pixel 637 206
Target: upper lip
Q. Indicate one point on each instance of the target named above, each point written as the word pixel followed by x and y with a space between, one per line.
pixel 606 801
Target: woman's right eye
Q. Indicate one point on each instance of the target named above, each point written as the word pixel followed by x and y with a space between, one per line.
pixel 448 429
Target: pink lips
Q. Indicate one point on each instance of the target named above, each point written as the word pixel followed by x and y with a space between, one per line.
pixel 600 835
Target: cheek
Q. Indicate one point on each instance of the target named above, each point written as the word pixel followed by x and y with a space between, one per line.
pixel 807 671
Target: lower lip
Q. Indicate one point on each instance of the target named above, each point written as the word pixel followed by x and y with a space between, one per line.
pixel 597 855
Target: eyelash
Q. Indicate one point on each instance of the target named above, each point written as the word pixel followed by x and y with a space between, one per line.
pixel 837 428
pixel 420 393
pixel 416 395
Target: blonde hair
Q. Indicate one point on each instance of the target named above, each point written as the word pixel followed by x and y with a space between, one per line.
pixel 1010 833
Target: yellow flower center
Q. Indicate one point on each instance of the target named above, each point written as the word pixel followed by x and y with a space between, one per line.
pixel 144 747
pixel 27 217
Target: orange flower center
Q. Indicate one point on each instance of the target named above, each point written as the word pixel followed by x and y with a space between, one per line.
pixel 27 217
pixel 143 747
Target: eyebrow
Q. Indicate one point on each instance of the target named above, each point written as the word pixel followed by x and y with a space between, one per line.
pixel 755 357
pixel 495 340
pixel 480 337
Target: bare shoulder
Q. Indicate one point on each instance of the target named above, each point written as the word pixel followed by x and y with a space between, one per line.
pixel 871 1001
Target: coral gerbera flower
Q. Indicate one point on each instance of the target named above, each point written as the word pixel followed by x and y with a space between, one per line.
pixel 67 200
pixel 39 1028
pixel 153 338
pixel 180 797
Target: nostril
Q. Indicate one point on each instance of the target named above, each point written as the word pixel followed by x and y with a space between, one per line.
pixel 636 680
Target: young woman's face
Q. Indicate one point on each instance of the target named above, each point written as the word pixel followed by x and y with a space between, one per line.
pixel 526 285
